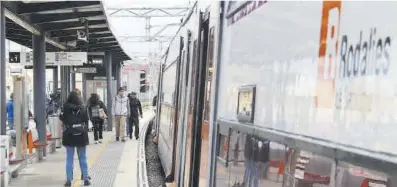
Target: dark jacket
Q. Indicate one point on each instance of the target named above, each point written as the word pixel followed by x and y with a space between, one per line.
pixel 101 105
pixel 135 107
pixel 67 117
pixel 154 101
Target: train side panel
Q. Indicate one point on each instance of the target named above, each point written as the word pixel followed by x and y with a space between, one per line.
pixel 321 69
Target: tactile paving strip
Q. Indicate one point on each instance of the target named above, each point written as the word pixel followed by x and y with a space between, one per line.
pixel 104 170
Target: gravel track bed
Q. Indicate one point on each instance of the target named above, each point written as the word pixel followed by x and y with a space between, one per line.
pixel 155 171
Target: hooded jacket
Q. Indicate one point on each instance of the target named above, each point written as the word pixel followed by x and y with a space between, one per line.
pixel 67 117
pixel 121 106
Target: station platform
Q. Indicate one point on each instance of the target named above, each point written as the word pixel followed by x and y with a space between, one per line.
pixel 111 164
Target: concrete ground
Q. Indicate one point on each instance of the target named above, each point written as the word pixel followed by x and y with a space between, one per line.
pixel 111 164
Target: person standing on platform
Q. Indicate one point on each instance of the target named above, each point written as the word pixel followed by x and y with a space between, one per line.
pixel 120 112
pixel 98 113
pixel 74 117
pixel 10 112
pixel 136 111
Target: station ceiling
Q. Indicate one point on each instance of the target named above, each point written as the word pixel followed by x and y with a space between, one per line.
pixel 60 22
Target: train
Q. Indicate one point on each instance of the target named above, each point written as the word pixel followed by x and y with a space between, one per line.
pixel 280 94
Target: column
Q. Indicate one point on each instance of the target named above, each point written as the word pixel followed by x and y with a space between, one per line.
pixel 63 84
pixel 72 78
pixel 38 43
pixel 55 79
pixel 118 78
pixel 84 86
pixel 67 80
pixel 3 99
pixel 109 94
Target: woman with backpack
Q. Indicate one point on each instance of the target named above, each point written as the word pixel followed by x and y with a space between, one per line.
pixel 74 118
pixel 98 113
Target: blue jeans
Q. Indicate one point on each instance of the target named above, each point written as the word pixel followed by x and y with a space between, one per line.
pixel 247 173
pixel 11 125
pixel 82 155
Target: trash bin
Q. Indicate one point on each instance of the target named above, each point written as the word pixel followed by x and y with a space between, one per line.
pixel 4 160
pixel 54 124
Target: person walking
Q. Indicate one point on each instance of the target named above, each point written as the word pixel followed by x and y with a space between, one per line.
pixel 10 112
pixel 135 111
pixel 98 113
pixel 120 112
pixel 75 136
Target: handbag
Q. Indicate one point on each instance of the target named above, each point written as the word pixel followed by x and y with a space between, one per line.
pixel 102 114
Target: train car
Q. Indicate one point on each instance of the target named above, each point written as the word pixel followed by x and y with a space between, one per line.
pixel 281 94
pixel 183 115
pixel 315 77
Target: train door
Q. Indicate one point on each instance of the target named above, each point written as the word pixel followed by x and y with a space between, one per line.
pixel 177 107
pixel 198 99
pixel 185 117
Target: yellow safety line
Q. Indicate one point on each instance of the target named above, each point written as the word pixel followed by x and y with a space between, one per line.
pixel 92 160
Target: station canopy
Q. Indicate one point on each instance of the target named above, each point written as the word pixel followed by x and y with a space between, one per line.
pixel 78 26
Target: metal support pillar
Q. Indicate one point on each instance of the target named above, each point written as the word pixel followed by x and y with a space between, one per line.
pixel 63 84
pixel 67 80
pixel 118 77
pixel 109 94
pixel 38 43
pixel 55 79
pixel 3 101
pixel 84 86
pixel 72 78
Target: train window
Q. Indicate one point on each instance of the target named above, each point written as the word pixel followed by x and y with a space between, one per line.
pixel 251 161
pixel 209 73
pixel 193 76
pixel 349 175
pixel 305 169
pixel 222 153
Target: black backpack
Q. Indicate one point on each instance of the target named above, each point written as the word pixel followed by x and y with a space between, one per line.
pixel 76 128
pixel 95 111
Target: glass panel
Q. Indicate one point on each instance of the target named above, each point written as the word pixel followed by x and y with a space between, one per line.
pixel 250 161
pixel 190 118
pixel 222 173
pixel 349 175
pixel 205 125
pixel 306 169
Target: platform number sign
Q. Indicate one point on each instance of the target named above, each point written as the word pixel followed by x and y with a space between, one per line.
pixel 14 57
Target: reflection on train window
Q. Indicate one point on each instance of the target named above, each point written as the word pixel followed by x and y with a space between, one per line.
pixel 253 161
pixel 223 147
pixel 305 169
pixel 353 176
pixel 222 174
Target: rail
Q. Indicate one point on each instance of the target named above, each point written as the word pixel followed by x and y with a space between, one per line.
pixel 141 162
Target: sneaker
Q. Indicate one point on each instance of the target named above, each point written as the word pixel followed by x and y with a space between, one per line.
pixel 136 138
pixel 95 142
pixel 100 141
pixel 68 183
pixel 89 178
pixel 117 138
pixel 123 139
pixel 130 137
pixel 87 183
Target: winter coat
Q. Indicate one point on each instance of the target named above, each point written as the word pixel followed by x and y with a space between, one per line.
pixel 121 106
pixel 135 107
pixel 67 117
